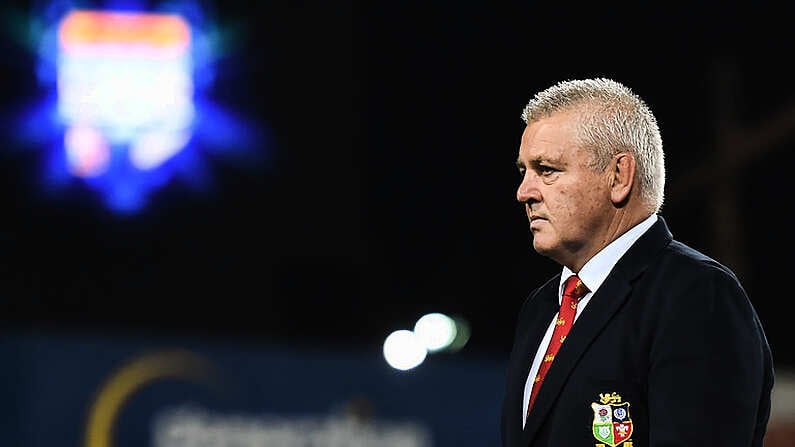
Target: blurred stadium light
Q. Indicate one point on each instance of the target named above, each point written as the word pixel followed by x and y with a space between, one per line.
pixel 404 350
pixel 124 78
pixel 433 332
pixel 127 108
pixel 436 330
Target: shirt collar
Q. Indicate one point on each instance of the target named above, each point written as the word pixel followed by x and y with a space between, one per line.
pixel 595 271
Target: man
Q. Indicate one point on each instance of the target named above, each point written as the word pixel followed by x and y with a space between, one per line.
pixel 650 343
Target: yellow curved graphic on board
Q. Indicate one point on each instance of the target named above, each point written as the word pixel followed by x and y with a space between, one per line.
pixel 130 378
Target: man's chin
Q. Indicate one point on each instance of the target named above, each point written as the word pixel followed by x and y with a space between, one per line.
pixel 540 247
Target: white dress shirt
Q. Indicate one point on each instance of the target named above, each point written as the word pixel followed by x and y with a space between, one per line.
pixel 592 274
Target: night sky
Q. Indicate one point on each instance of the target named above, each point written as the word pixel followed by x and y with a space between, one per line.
pixel 387 184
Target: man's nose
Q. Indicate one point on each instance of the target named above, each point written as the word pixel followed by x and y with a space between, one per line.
pixel 528 190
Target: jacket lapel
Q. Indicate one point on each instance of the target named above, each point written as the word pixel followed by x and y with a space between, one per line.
pixel 537 322
pixel 603 305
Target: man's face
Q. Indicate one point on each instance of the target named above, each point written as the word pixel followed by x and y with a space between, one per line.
pixel 567 203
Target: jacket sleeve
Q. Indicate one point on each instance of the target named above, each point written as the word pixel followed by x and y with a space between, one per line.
pixel 710 372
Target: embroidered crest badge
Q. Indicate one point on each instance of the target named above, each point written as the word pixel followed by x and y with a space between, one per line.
pixel 611 422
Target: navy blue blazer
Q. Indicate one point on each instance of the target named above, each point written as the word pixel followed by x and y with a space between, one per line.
pixel 668 352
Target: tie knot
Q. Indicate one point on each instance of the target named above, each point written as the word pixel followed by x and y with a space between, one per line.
pixel 574 288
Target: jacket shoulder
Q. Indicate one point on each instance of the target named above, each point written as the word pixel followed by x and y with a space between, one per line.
pixel 687 262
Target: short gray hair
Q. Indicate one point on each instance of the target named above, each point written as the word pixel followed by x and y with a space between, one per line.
pixel 611 118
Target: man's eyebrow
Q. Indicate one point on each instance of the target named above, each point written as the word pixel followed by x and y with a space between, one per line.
pixel 539 161
pixel 536 162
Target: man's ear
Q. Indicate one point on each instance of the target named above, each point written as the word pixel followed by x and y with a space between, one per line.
pixel 622 177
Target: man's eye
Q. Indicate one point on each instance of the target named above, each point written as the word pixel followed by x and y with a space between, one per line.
pixel 546 170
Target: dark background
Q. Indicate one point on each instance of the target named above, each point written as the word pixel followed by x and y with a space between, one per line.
pixel 389 185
